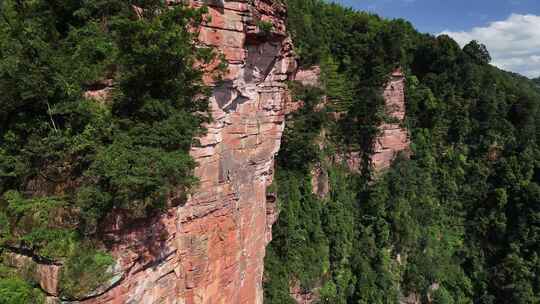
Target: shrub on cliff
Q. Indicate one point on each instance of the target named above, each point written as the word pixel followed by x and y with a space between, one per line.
pixel 83 272
pixel 17 291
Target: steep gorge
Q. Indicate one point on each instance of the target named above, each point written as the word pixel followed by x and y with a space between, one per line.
pixel 211 249
pixel 348 158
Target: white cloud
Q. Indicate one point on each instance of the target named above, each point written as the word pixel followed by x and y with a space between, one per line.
pixel 514 44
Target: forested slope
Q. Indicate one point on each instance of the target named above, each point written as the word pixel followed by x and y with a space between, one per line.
pixel 457 222
pixel 100 102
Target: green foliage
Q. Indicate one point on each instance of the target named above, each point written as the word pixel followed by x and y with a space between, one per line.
pixel 41 225
pixel 265 27
pixel 478 52
pixel 300 224
pixel 337 88
pixel 458 221
pixel 135 148
pixel 84 271
pixel 313 239
pixel 441 296
pixel 15 291
pixel 298 148
pixel 17 286
pixel 68 161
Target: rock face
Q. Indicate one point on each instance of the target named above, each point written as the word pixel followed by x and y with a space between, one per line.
pixel 393 138
pixel 319 181
pixel 301 296
pixel 211 249
pixel 309 77
pixel 45 274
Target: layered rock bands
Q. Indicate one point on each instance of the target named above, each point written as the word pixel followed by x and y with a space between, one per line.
pixel 210 250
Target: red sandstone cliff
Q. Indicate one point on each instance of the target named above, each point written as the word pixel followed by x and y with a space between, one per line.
pixel 393 138
pixel 210 250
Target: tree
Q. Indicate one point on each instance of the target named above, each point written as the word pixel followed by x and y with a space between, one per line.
pixel 478 52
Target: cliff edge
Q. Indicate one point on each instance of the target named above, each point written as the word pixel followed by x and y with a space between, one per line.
pixel 211 249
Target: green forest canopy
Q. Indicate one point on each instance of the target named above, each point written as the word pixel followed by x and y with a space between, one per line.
pixel 463 213
pixel 457 222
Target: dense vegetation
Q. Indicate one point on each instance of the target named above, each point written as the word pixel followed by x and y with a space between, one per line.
pixel 457 222
pixel 68 161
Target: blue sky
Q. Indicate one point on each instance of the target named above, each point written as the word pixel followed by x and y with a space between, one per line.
pixel 435 16
pixel 509 28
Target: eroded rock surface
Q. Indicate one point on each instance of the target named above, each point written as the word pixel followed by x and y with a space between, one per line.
pixel 393 138
pixel 309 77
pixel 46 275
pixel 319 181
pixel 211 249
pixel 302 296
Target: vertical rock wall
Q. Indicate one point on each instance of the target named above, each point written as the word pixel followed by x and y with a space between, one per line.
pixel 210 250
pixel 393 138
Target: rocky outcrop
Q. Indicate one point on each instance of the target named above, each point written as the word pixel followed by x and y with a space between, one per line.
pixel 416 298
pixel 413 298
pixel 302 296
pixel 319 181
pixel 45 274
pixel 210 249
pixel 393 138
pixel 309 77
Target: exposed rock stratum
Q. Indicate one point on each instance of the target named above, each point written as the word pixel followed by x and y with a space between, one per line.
pixel 210 247
pixel 210 250
pixel 393 137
